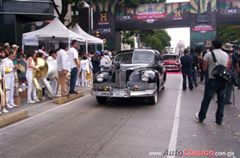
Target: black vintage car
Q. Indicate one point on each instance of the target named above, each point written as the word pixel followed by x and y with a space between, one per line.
pixel 134 73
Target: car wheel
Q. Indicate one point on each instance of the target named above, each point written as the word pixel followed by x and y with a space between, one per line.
pixel 153 99
pixel 101 100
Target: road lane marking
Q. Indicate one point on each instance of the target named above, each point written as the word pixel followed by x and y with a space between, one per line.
pixel 173 140
pixel 45 112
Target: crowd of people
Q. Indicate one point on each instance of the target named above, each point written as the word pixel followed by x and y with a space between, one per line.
pixel 73 69
pixel 201 62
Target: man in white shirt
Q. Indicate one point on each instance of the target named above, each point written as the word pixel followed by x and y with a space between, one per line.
pixel 73 57
pixel 63 67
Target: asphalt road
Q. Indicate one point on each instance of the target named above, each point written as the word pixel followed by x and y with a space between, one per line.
pixel 125 128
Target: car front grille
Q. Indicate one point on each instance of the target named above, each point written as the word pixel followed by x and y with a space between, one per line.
pixel 120 78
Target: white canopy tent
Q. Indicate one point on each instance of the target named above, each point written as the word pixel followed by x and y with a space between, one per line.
pixel 90 39
pixel 54 30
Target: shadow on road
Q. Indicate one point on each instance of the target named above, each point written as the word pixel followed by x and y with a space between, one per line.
pixel 131 103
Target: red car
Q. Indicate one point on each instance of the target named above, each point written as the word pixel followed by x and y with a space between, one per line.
pixel 171 62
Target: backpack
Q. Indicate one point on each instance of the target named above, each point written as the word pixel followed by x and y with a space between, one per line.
pixel 220 71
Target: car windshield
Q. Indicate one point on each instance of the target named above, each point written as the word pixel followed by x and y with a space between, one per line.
pixel 142 57
pixel 125 58
pixel 136 57
pixel 169 57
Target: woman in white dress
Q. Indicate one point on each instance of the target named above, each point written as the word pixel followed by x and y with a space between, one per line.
pixel 31 66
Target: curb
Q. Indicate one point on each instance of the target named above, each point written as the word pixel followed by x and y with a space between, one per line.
pixel 13 117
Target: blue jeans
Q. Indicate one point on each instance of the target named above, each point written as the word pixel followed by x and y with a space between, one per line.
pixel 228 92
pixel 213 86
pixel 195 77
pixel 188 74
pixel 73 79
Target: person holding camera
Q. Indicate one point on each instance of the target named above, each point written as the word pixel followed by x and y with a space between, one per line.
pixel 211 60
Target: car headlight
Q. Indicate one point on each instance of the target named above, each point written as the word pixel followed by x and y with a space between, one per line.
pixel 145 77
pixel 100 77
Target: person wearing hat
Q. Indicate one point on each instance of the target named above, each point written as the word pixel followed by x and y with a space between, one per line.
pixel 8 73
pixel 6 48
pixel 6 45
pixel 228 47
pixel 15 48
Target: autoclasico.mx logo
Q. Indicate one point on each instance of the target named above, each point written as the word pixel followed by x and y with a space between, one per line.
pixel 188 152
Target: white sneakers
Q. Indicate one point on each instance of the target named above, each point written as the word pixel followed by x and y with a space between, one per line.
pixel 31 102
pixel 58 95
pixel 9 106
pixel 4 110
pixel 14 105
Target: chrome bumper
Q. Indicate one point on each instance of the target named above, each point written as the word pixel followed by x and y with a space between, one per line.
pixel 123 93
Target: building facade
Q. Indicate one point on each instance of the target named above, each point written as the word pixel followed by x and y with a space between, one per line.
pixel 19 16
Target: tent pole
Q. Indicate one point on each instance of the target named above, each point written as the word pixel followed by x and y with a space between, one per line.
pixel 86 47
pixel 68 39
pixel 68 42
pixel 95 48
pixel 23 42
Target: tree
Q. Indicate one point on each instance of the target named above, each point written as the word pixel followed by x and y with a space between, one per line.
pixel 155 39
pixel 128 38
pixel 65 4
pixel 229 34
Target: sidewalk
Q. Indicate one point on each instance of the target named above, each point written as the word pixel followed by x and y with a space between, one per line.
pixel 45 105
pixel 237 98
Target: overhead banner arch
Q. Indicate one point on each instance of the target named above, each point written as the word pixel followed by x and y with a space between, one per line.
pixel 202 16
